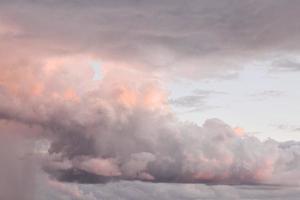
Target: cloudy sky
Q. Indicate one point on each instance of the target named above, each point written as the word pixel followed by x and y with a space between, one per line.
pixel 139 99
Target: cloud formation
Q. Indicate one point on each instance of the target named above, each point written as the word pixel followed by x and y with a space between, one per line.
pixel 119 130
pixel 17 167
pixel 286 65
pixel 125 190
pixel 195 39
pixel 197 101
pixel 121 126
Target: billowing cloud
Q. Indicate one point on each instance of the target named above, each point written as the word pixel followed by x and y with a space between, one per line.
pixel 120 127
pixel 118 130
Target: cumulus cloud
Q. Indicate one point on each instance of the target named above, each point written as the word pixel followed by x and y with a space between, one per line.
pixel 121 126
pixel 119 130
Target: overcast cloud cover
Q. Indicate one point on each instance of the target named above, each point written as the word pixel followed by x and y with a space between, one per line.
pixel 66 135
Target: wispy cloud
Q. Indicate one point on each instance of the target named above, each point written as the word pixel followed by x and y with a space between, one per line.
pixel 286 65
pixel 285 127
pixel 267 94
pixel 197 101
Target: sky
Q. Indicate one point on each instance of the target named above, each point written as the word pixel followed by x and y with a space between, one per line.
pixel 137 99
pixel 261 102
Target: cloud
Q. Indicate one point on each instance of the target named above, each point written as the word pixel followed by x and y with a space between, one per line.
pixel 189 101
pixel 138 190
pixel 17 167
pixel 69 191
pixel 286 65
pixel 286 127
pixel 123 131
pixel 297 129
pixel 267 94
pixel 195 39
pixel 208 92
pixel 120 127
pixel 197 101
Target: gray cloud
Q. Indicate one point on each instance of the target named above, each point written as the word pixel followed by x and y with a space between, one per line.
pixel 197 101
pixel 286 65
pixel 267 94
pixel 286 127
pixel 137 190
pixel 104 139
pixel 17 168
pixel 208 92
pixel 115 129
pixel 297 129
pixel 197 39
pixel 189 101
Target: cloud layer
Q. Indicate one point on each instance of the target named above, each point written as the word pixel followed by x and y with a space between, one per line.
pixel 194 39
